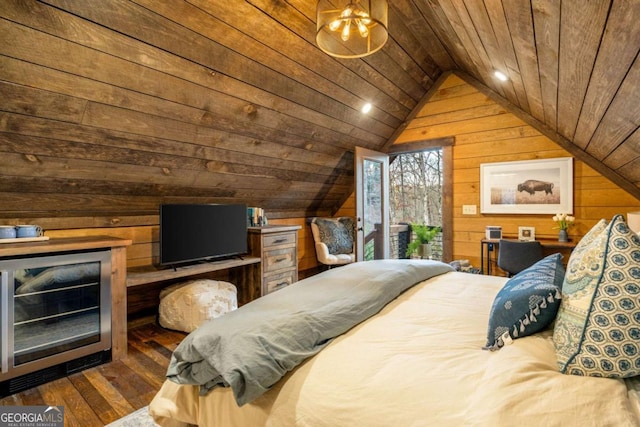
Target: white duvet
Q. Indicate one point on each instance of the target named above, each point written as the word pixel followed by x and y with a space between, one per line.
pixel 418 362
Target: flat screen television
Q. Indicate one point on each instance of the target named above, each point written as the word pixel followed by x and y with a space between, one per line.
pixel 198 232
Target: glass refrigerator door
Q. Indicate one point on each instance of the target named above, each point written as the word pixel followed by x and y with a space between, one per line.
pixel 56 309
pixel 53 309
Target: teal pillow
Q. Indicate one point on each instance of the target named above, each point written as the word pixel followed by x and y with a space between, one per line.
pixel 527 303
pixel 597 331
pixel 337 234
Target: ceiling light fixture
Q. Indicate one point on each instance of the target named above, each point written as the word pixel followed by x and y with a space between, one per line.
pixel 358 29
pixel 366 108
pixel 500 75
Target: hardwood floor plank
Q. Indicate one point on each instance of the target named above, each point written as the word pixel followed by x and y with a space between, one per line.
pixel 146 367
pixel 32 397
pixel 76 403
pixel 160 348
pixel 109 392
pixel 53 396
pixel 94 399
pixel 129 384
pixel 13 400
pixel 159 358
pixel 168 339
pixel 151 331
pixel 103 394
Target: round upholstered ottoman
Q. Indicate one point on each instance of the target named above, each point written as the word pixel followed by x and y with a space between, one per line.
pixel 185 306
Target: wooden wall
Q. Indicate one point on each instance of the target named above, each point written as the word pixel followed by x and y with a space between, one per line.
pixel 485 132
pixel 107 112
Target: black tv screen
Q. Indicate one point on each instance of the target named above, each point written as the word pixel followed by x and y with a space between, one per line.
pixel 199 232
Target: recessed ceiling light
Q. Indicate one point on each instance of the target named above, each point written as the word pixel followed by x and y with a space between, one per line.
pixel 366 108
pixel 500 75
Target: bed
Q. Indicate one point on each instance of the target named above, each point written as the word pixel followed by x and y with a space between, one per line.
pixel 425 357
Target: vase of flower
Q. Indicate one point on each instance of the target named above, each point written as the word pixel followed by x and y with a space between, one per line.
pixel 564 221
pixel 562 236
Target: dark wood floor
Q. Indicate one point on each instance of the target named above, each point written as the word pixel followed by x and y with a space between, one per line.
pixel 100 395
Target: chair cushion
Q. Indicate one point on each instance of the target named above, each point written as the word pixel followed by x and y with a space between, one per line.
pixel 527 303
pixel 597 331
pixel 185 306
pixel 340 259
pixel 337 234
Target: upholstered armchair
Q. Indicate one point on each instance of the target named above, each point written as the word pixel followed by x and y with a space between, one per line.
pixel 334 240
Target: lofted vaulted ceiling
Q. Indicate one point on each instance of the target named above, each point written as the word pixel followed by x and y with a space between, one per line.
pixel 114 106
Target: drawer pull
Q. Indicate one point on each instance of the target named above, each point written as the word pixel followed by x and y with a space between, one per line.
pixel 281 259
pixel 279 241
pixel 281 284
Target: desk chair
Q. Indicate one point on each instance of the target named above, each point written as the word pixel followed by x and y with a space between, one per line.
pixel 514 256
pixel 334 240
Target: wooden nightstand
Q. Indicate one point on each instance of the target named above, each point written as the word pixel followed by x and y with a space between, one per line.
pixel 277 246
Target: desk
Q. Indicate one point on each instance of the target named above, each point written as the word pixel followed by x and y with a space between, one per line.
pixel 491 245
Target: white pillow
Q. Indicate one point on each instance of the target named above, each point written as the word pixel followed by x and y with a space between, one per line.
pixel 185 306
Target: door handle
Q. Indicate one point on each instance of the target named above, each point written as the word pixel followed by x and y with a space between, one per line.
pixel 4 321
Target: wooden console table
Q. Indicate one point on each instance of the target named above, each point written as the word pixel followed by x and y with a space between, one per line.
pixel 118 275
pixel 246 266
pixel 491 245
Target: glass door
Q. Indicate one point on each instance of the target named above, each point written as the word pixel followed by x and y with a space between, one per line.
pixel 372 204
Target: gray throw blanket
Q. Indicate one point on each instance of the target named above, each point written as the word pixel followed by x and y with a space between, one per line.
pixel 251 348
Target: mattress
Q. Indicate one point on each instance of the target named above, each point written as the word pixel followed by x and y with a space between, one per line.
pixel 418 362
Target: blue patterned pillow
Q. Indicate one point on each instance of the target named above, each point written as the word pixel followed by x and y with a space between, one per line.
pixel 597 331
pixel 527 303
pixel 336 234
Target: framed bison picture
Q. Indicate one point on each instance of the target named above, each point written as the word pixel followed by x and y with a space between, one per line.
pixel 527 187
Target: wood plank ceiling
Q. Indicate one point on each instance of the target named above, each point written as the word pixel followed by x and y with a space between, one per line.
pixel 112 107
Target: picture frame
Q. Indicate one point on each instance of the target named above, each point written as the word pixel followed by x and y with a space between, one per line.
pixel 526 234
pixel 527 187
